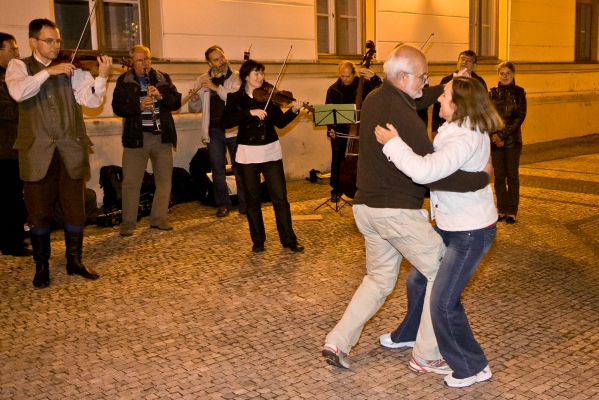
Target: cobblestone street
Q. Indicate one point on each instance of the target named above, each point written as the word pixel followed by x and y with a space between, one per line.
pixel 194 314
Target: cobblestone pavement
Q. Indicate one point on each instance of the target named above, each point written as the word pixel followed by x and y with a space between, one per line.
pixel 194 314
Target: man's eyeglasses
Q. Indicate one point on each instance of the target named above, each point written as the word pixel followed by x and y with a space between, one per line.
pixel 51 42
pixel 143 60
pixel 424 77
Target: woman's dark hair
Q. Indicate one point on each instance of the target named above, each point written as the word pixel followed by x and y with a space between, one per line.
pixel 249 66
pixel 473 103
pixel 507 64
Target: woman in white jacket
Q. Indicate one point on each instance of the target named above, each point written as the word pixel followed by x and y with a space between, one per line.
pixel 465 221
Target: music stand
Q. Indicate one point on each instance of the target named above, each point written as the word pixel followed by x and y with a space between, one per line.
pixel 334 114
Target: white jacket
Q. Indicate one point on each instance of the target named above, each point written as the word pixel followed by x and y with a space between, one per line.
pixel 455 148
pixel 232 84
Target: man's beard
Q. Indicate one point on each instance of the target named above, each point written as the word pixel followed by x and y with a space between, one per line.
pixel 220 70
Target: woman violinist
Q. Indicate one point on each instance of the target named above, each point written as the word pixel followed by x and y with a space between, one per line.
pixel 259 151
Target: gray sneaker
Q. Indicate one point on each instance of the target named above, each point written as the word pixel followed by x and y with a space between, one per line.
pixel 335 357
pixel 418 364
pixel 386 342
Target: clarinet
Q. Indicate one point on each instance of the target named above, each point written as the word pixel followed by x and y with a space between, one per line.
pixel 155 121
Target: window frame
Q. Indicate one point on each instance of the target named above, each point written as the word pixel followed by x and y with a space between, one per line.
pixel 333 24
pixel 590 35
pixel 476 30
pixel 98 26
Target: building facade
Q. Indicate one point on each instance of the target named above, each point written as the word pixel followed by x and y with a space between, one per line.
pixel 552 42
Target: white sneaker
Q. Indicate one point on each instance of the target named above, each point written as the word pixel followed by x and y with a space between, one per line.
pixel 421 365
pixel 482 376
pixel 385 341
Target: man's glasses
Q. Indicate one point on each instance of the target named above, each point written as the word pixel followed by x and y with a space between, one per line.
pixel 51 42
pixel 143 60
pixel 424 77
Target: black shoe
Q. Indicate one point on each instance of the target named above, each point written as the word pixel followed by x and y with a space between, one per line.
pixel 295 247
pixel 501 217
pixel 222 212
pixel 41 255
pixel 510 219
pixel 74 250
pixel 258 248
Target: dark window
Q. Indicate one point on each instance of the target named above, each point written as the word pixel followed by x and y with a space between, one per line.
pixel 115 26
pixel 584 29
pixel 483 27
pixel 338 27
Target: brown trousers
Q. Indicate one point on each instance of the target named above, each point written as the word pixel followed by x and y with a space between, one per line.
pixel 41 195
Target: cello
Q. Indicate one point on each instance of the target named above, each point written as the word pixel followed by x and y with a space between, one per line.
pixel 348 170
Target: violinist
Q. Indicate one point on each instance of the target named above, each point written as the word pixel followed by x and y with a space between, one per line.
pixel 343 91
pixel 213 87
pixel 259 151
pixel 145 98
pixel 52 143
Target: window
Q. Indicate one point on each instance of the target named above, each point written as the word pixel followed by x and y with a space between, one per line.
pixel 114 27
pixel 584 29
pixel 483 27
pixel 339 27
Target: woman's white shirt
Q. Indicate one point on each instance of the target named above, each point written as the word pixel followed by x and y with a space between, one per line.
pixel 455 148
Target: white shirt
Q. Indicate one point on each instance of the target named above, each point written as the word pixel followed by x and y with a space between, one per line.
pixel 23 86
pixel 258 154
pixel 455 148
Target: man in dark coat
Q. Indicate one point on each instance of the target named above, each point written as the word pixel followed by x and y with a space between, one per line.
pixel 466 63
pixel 343 91
pixel 144 98
pixel 11 186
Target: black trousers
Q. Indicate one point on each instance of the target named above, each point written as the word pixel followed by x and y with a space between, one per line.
pixel 274 176
pixel 507 181
pixel 12 206
pixel 338 149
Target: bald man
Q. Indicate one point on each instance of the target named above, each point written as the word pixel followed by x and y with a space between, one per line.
pixel 388 211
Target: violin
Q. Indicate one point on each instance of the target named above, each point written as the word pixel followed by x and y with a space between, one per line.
pixel 86 60
pixel 282 98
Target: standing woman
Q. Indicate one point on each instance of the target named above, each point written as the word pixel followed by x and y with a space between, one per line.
pixel 465 221
pixel 259 151
pixel 510 102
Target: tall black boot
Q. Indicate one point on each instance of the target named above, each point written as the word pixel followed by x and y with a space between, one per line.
pixel 41 256
pixel 74 250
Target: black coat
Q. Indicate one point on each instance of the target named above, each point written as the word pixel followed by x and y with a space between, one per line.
pixel 335 96
pixel 125 104
pixel 252 131
pixel 510 103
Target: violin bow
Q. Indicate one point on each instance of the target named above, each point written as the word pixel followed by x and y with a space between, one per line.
pixel 278 77
pixel 83 33
pixel 425 43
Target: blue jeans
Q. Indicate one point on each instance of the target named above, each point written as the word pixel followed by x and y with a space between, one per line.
pixel 465 251
pixel 217 149
pixel 274 176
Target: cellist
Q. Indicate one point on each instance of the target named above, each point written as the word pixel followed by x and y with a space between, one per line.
pixel 344 91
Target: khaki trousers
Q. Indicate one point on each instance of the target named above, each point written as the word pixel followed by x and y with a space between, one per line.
pixel 390 234
pixel 135 162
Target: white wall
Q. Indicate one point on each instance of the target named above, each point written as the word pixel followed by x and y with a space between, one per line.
pixel 412 22
pixel 542 30
pixel 269 26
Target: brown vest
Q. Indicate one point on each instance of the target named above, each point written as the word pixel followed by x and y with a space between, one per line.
pixel 51 120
